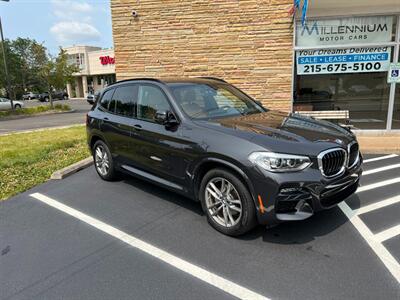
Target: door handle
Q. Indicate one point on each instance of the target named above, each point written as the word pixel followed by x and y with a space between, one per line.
pixel 137 126
pixel 105 119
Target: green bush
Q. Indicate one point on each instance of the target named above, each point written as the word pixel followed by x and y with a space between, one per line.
pixel 35 110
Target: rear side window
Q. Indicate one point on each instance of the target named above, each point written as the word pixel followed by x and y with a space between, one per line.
pixel 106 99
pixel 124 98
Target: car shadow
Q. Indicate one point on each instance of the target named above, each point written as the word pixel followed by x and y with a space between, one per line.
pixel 162 193
pixel 296 232
pixel 301 232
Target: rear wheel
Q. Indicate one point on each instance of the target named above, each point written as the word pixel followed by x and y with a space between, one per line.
pixel 103 161
pixel 227 202
pixel 46 99
pixel 65 97
pixel 17 106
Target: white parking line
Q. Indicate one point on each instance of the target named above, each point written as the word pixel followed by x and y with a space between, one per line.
pixel 388 233
pixel 380 158
pixel 377 205
pixel 183 265
pixel 384 255
pixel 378 184
pixel 381 169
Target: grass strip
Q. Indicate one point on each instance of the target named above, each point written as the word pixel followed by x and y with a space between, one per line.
pixel 28 159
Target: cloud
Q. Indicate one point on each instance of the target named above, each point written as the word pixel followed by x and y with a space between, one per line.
pixel 74 22
pixel 73 32
pixel 68 6
pixel 71 10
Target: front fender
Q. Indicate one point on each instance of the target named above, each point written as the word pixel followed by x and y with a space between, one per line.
pixel 221 162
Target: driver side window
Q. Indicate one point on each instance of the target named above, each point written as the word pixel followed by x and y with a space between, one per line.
pixel 150 100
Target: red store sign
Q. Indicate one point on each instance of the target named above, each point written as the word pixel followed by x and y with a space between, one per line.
pixel 107 60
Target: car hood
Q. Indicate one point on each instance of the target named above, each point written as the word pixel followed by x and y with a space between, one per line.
pixel 268 128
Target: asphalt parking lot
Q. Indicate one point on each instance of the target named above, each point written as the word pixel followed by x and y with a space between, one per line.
pixel 83 238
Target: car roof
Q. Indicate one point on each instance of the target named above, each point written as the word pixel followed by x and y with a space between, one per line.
pixel 196 80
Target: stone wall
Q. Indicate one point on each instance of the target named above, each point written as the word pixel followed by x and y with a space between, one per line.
pixel 247 43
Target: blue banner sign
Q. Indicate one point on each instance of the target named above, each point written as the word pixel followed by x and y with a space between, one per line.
pixel 351 60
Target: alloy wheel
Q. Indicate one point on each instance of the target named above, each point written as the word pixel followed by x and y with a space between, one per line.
pixel 102 160
pixel 223 202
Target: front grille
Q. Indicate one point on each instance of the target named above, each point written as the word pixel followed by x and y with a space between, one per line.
pixel 332 162
pixel 353 154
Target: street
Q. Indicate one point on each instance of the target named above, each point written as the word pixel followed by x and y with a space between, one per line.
pixel 80 107
pixel 83 238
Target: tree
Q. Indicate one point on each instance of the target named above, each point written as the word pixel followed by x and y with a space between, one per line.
pixel 14 65
pixel 31 67
pixel 56 71
pixel 23 65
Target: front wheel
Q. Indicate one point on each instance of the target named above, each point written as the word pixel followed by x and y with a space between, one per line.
pixel 103 161
pixel 227 202
pixel 17 106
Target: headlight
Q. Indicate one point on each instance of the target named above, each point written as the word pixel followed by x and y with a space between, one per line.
pixel 279 162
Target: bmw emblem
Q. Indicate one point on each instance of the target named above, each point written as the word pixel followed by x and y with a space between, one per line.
pixel 340 142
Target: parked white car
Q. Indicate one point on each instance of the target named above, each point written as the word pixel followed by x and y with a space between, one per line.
pixel 5 104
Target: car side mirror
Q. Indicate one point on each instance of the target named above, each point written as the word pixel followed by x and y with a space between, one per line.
pixel 90 101
pixel 165 117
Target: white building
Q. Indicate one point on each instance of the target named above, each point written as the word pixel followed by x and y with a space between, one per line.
pixel 97 69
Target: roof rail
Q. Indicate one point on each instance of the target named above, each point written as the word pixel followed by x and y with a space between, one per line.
pixel 213 78
pixel 137 79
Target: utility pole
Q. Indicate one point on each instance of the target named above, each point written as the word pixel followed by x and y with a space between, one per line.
pixel 9 94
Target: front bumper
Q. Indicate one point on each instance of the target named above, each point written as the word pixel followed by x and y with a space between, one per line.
pixel 297 196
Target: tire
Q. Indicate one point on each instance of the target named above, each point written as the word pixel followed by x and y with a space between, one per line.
pixel 29 98
pixel 237 223
pixel 99 150
pixel 17 106
pixel 46 99
pixel 65 97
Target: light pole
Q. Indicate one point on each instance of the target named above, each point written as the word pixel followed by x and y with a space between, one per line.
pixel 5 64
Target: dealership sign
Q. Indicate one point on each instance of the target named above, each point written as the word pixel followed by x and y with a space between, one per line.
pixel 337 61
pixel 345 31
pixel 107 60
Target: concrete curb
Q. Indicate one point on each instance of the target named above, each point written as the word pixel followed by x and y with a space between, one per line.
pixel 69 170
pixel 379 144
pixel 41 129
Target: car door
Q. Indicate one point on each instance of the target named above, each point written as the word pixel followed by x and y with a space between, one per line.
pixel 158 150
pixel 124 99
pixel 117 106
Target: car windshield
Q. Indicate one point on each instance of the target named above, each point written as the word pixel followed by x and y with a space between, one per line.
pixel 213 100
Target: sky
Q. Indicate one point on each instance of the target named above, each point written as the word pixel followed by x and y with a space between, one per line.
pixel 58 23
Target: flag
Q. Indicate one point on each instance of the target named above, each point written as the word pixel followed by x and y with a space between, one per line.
pixel 296 6
pixel 304 13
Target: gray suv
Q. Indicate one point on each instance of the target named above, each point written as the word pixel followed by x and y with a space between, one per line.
pixel 208 140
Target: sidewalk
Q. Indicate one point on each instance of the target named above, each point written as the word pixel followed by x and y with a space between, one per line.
pixel 379 143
